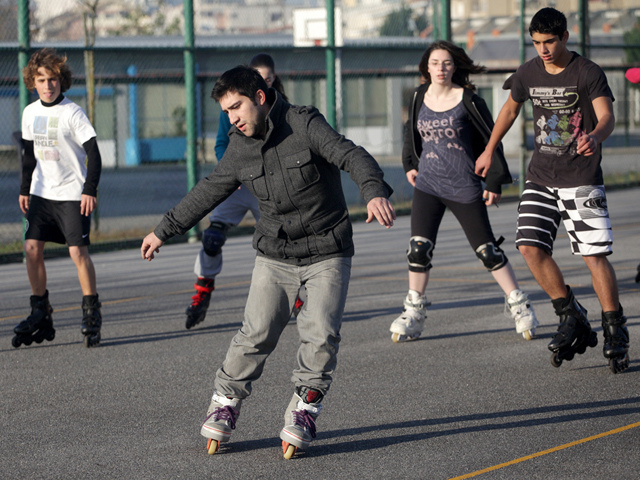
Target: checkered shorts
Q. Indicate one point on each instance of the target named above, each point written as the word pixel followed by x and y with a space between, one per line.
pixel 582 209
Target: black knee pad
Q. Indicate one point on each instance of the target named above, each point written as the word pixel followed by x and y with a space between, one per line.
pixel 420 254
pixel 213 238
pixel 491 255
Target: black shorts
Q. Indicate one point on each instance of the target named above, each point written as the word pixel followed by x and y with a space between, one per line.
pixel 55 221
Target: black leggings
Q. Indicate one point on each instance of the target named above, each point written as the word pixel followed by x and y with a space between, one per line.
pixel 427 212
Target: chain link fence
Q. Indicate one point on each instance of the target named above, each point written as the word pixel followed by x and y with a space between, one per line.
pixel 140 89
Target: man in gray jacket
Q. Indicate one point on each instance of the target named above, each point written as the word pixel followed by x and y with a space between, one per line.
pixel 290 159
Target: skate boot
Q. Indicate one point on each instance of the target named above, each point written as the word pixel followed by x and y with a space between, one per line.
pixel 38 326
pixel 221 420
pixel 91 320
pixel 199 302
pixel 300 420
pixel 409 325
pixel 616 340
pixel 517 304
pixel 574 333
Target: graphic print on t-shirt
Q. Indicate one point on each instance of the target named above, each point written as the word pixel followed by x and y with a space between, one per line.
pixel 45 138
pixel 559 122
pixel 446 168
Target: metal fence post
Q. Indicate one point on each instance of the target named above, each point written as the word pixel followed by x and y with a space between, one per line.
pixel 190 107
pixel 331 64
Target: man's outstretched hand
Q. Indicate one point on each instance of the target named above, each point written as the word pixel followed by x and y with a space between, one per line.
pixel 381 209
pixel 150 246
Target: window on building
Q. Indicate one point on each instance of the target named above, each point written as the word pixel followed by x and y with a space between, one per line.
pixel 161 110
pixel 303 91
pixel 487 94
pixel 103 122
pixel 364 102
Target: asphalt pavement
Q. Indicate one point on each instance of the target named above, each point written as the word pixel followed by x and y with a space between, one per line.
pixel 470 398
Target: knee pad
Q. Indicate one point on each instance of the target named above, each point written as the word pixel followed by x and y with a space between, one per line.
pixel 491 255
pixel 213 238
pixel 420 254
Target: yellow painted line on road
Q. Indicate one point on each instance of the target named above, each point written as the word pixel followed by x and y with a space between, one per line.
pixel 545 452
pixel 133 299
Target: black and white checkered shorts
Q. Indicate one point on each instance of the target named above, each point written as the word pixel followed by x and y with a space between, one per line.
pixel 583 211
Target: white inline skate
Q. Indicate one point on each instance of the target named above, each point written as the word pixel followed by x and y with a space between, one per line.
pixel 410 324
pixel 518 307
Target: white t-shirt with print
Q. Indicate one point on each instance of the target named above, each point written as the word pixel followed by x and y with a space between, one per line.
pixel 58 133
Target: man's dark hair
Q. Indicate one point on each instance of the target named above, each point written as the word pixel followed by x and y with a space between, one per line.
pixel 243 80
pixel 550 21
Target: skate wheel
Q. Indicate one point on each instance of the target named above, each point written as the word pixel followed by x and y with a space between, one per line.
pixel 617 365
pixel 288 450
pixel 212 446
pixel 15 342
pixel 50 336
pixel 593 339
pixel 91 340
pixel 398 338
pixel 556 361
pixel 27 341
pixel 527 334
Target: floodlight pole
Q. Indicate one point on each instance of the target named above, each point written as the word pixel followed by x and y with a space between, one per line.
pixel 331 63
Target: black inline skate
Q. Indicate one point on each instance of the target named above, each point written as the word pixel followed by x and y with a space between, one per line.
pixel 91 320
pixel 574 333
pixel 616 340
pixel 38 326
pixel 199 302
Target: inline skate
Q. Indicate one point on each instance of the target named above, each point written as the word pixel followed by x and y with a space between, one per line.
pixel 91 320
pixel 574 333
pixel 517 303
pixel 221 420
pixel 616 340
pixel 300 420
pixel 38 326
pixel 410 324
pixel 197 311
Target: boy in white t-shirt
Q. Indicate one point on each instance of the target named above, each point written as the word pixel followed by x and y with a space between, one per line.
pixel 60 174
